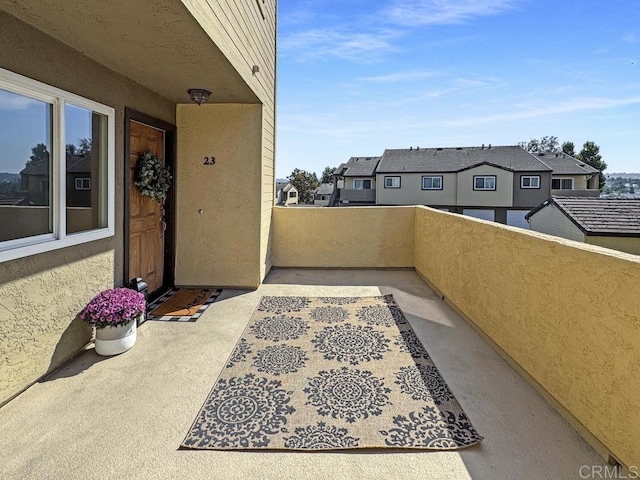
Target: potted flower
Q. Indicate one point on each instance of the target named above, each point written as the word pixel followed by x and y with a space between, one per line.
pixel 114 313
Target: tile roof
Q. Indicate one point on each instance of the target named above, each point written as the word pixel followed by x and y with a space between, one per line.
pixel 358 167
pixel 443 160
pixel 324 189
pixel 563 164
pixel 599 216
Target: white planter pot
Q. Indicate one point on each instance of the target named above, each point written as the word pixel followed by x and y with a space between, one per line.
pixel 115 340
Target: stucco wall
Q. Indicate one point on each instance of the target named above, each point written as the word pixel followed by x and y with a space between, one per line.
pixel 502 196
pixel 41 295
pixel 534 296
pixel 623 244
pixel 220 246
pixel 358 237
pixel 411 193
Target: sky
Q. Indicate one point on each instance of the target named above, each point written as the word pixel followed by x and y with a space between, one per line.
pixel 358 76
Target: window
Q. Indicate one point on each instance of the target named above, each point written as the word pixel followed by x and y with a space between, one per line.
pixel 293 194
pixel 484 182
pixel 432 183
pixel 362 184
pixel 530 181
pixel 58 155
pixel 83 183
pixel 562 184
pixel 391 182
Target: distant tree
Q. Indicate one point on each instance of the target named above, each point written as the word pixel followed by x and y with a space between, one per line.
pixel 84 147
pixel 327 175
pixel 590 154
pixel 546 144
pixel 39 154
pixel 569 148
pixel 305 182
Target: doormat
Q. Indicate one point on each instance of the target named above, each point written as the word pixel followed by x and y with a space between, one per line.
pixel 330 373
pixel 182 304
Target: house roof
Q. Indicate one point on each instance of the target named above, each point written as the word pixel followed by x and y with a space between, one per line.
pixel 358 167
pixel 444 160
pixel 598 216
pixel 563 164
pixel 324 189
pixel 285 187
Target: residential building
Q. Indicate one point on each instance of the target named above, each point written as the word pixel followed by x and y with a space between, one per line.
pixel 493 183
pixel 358 179
pixel 607 222
pixel 322 194
pixel 286 194
pixel 571 177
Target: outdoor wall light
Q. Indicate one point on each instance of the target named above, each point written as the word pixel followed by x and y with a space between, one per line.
pixel 199 95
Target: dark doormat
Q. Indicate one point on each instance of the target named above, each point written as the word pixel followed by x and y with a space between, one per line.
pixel 182 304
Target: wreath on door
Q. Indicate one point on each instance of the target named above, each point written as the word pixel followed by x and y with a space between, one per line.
pixel 153 179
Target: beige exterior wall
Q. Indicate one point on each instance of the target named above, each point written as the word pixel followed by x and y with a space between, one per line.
pixel 245 31
pixel 552 221
pixel 40 296
pixel 532 295
pixel 222 245
pixel 359 237
pixel 411 193
pixel 579 181
pixel 501 197
pixel 623 244
pixel 349 182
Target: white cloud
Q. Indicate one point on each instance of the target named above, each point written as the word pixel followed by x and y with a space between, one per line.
pixel 402 76
pixel 12 101
pixel 629 38
pixel 348 45
pixel 431 12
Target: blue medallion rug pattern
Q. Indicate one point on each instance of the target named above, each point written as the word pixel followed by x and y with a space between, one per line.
pixel 330 373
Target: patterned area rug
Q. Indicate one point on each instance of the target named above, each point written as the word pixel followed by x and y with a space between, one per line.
pixel 182 304
pixel 330 373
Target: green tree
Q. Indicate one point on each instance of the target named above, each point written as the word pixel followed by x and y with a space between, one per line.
pixel 327 175
pixel 569 148
pixel 590 154
pixel 39 154
pixel 305 182
pixel 546 144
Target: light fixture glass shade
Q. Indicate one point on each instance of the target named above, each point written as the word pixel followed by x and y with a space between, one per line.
pixel 199 95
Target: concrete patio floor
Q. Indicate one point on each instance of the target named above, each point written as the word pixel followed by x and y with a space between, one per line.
pixel 125 416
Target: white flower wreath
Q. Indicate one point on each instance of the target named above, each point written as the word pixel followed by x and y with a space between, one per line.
pixel 152 178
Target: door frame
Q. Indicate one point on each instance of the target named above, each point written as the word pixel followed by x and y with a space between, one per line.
pixel 168 278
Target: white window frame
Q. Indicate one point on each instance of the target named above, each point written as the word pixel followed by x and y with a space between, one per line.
pixel 530 178
pixel 432 177
pixel 24 247
pixel 562 179
pixel 392 178
pixel 362 180
pixel 485 177
pixel 81 181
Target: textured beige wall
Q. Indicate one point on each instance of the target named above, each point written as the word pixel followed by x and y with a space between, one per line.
pixel 220 246
pixel 411 193
pixel 623 244
pixel 552 221
pixel 533 295
pixel 41 295
pixel 501 197
pixel 343 237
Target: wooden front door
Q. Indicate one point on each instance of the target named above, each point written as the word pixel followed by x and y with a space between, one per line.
pixel 146 235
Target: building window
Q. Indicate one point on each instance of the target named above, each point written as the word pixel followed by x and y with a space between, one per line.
pixel 51 136
pixel 293 194
pixel 391 182
pixel 530 181
pixel 562 184
pixel 362 184
pixel 484 182
pixel 83 183
pixel 432 183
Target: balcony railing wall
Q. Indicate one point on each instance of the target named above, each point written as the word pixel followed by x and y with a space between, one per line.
pixel 565 313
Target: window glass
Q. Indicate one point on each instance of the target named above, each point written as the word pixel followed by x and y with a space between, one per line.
pixel 361 184
pixel 484 183
pixel 567 184
pixel 432 183
pixel 25 166
pixel 392 182
pixel 86 158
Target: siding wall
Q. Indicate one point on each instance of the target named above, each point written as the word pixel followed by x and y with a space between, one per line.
pixel 501 197
pixel 411 193
pixel 552 221
pixel 245 31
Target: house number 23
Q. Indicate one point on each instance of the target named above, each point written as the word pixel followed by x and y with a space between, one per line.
pixel 209 161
